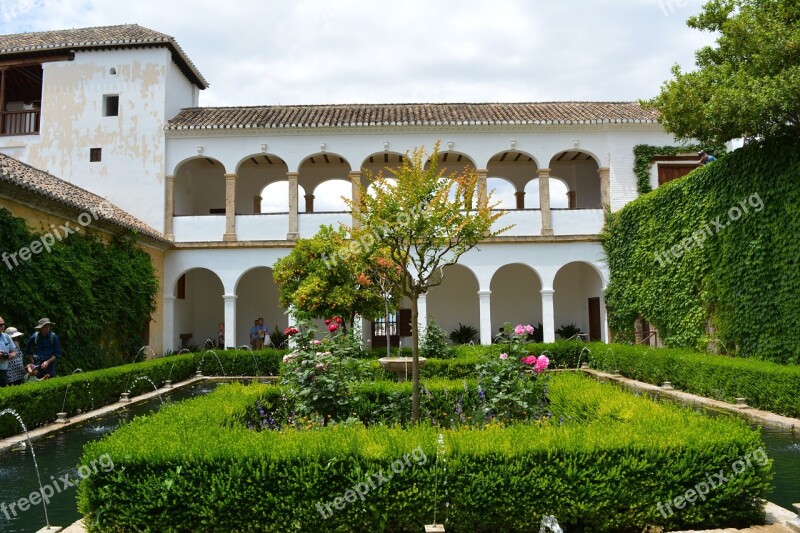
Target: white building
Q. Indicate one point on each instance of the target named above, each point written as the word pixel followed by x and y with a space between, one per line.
pixel 114 110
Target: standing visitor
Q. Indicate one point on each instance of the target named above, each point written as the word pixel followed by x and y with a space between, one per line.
pixel 8 350
pixel 44 348
pixel 16 365
pixel 257 334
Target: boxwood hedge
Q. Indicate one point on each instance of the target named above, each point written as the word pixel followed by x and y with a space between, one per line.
pixel 766 385
pixel 603 462
pixel 38 403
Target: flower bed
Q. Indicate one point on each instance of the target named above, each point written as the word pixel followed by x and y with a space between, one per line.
pixel 605 460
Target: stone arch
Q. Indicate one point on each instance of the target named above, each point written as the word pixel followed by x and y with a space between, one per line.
pixel 516 296
pixel 199 187
pixel 456 299
pixel 575 284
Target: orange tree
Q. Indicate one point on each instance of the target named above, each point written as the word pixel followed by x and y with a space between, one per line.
pixel 425 220
pixel 315 280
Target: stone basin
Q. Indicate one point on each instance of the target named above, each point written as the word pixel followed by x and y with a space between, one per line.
pixel 400 366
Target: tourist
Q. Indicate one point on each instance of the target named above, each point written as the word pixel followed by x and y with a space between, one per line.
pixel 221 336
pixel 8 350
pixel 257 334
pixel 30 374
pixel 16 365
pixel 44 348
pixel 705 158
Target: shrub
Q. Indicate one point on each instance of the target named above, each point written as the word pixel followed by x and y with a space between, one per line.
pixel 38 403
pixel 766 385
pixel 196 466
pixel 463 334
pixel 433 342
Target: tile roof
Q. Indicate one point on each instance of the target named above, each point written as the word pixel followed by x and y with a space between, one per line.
pixel 46 186
pixel 362 115
pixel 103 37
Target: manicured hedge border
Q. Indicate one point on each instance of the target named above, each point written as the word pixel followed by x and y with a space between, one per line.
pixel 38 403
pixel 195 466
pixel 766 385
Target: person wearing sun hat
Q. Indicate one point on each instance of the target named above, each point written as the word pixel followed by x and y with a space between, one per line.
pixel 8 350
pixel 45 348
pixel 16 366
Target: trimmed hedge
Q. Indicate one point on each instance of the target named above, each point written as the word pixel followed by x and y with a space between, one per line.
pixel 195 466
pixel 766 385
pixel 38 403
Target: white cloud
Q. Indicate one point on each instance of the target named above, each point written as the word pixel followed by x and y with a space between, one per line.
pixel 316 51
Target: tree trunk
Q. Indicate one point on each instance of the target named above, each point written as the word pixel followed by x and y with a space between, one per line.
pixel 386 327
pixel 415 359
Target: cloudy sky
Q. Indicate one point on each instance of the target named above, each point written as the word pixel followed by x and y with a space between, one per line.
pixel 257 52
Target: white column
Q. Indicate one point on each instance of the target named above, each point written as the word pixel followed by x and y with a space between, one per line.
pixel 605 186
pixel 544 201
pixel 230 208
pixel 422 313
pixel 292 323
pixel 294 233
pixel 485 316
pixel 169 323
pixel 603 317
pixel 230 319
pixel 169 208
pixel 548 315
pixel 355 192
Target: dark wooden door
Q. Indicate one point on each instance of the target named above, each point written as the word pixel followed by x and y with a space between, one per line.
pixel 594 319
pixel 672 172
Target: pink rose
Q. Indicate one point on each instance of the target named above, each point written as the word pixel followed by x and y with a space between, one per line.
pixel 519 330
pixel 529 329
pixel 503 356
pixel 541 364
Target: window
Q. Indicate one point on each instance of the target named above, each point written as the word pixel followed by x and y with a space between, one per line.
pixel 95 154
pixel 379 326
pixel 111 105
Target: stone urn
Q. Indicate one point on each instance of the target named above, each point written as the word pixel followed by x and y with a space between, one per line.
pixel 400 366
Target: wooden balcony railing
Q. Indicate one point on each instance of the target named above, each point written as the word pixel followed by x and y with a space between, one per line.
pixel 19 122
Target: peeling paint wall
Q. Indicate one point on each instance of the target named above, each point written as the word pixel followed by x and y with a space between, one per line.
pixel 131 171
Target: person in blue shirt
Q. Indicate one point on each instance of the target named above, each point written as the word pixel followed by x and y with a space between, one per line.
pixel 705 158
pixel 44 348
pixel 257 334
pixel 7 350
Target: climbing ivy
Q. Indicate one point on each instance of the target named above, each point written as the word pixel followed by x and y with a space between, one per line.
pixel 717 247
pixel 99 295
pixel 643 155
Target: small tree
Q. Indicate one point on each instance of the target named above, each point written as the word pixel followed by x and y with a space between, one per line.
pixel 426 221
pixel 314 281
pixel 748 84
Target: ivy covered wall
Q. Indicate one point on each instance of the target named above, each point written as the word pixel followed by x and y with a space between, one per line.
pixel 722 244
pixel 101 295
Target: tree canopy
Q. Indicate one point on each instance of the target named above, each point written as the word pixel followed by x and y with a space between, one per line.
pixel 425 220
pixel 748 84
pixel 315 280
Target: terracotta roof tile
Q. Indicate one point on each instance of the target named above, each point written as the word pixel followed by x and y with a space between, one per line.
pixel 365 115
pixel 47 186
pixel 122 36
